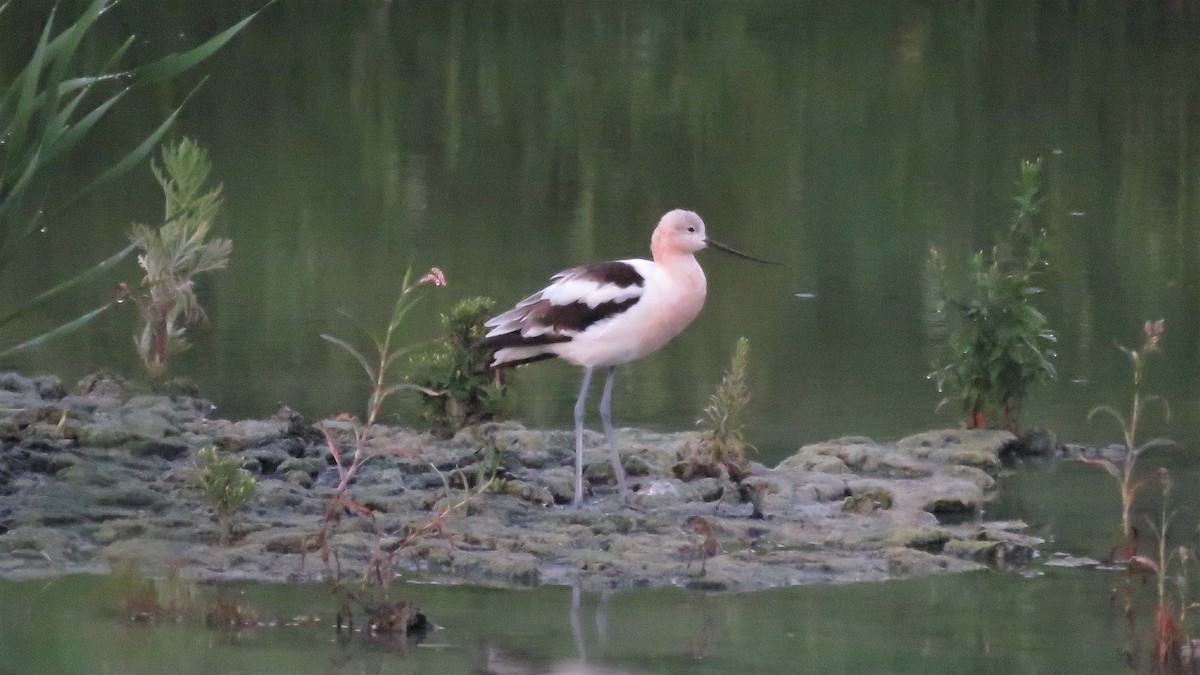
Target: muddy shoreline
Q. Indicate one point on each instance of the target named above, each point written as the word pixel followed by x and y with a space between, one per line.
pixel 97 476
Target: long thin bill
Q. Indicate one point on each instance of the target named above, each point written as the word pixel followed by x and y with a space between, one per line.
pixel 723 247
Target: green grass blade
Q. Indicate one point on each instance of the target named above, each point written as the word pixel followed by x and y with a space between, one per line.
pixel 402 310
pixel 362 360
pixel 13 195
pixel 174 64
pixel 68 327
pixel 73 134
pixel 87 275
pixel 27 97
pixel 135 157
pixel 62 48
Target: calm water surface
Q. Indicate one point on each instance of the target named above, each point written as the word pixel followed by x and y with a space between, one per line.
pixel 506 141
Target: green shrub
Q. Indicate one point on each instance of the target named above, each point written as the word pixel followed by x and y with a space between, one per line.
pixel 1001 345
pixel 458 388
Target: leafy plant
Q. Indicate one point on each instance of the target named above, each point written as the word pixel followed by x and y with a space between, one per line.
pixel 458 389
pixel 378 370
pixel 173 254
pixel 722 446
pixel 225 484
pixel 491 469
pixel 46 111
pixel 1129 484
pixel 1001 345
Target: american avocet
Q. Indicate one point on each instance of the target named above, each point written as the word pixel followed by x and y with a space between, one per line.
pixel 605 314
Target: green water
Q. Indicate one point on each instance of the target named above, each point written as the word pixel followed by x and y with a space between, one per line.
pixel 506 141
pixel 503 141
pixel 969 623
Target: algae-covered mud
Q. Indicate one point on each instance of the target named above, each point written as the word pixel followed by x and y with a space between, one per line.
pixel 99 476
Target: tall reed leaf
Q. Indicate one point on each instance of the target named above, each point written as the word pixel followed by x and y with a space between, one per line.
pixel 66 328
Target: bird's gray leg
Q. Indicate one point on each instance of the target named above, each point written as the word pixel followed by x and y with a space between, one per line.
pixel 583 390
pixel 606 418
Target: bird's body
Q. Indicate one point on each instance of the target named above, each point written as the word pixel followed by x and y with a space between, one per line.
pixel 605 314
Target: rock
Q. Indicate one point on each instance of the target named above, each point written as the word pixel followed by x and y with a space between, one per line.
pixel 953 499
pixel 131 496
pixel 559 482
pixel 22 459
pixel 293 542
pixel 90 404
pixel 928 539
pixel 828 464
pixel 15 383
pixel 668 492
pixel 301 478
pixel 110 483
pixel 105 432
pixel 167 449
pixel 147 424
pixel 309 465
pixel 1033 443
pixel 49 387
pixel 868 498
pixel 895 465
pixel 268 458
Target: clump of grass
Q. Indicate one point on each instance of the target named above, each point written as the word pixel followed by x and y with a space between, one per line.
pixel 722 447
pixel 1001 345
pixel 1125 472
pixel 174 253
pixel 458 390
pixel 226 485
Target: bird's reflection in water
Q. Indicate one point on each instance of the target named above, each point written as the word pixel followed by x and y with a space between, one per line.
pixel 496 660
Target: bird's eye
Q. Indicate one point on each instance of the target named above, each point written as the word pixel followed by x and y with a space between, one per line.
pixel 691 229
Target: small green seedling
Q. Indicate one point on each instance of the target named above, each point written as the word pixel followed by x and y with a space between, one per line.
pixel 226 485
pixel 723 445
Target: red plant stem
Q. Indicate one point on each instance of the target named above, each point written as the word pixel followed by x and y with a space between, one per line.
pixel 160 337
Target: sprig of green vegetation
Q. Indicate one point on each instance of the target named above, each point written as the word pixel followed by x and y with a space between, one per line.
pixel 1001 345
pixel 459 390
pixel 722 446
pixel 378 370
pixel 173 254
pixel 226 485
pixel 47 110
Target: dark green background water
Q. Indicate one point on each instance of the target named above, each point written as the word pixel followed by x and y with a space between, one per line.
pixel 503 141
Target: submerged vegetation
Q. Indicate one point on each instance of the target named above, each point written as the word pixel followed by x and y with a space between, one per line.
pixel 457 388
pixel 722 447
pixel 174 253
pixel 1000 345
